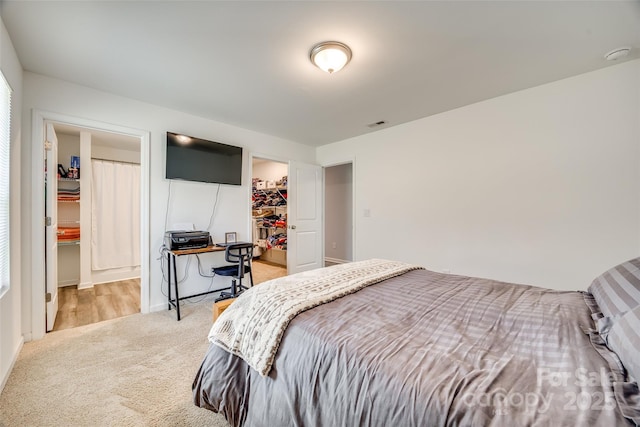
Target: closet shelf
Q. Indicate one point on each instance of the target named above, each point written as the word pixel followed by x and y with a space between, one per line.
pixel 69 179
pixel 69 243
pixel 271 189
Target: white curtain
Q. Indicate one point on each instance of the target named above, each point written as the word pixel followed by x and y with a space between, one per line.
pixel 115 215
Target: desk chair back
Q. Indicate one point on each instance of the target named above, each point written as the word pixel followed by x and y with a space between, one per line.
pixel 241 254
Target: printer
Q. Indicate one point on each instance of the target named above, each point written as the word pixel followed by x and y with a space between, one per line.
pixel 183 239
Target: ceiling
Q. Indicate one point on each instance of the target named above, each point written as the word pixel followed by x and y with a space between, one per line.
pixel 247 63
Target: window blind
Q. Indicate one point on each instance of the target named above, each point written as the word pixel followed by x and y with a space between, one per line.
pixel 5 142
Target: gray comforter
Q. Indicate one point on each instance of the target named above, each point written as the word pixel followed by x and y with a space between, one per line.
pixel 428 349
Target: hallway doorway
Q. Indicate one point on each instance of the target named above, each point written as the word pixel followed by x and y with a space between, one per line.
pixel 338 217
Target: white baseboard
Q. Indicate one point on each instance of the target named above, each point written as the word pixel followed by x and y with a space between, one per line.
pixel 85 285
pixel 14 358
pixel 114 275
pixel 335 260
pixel 158 307
pixel 64 283
pixel 117 280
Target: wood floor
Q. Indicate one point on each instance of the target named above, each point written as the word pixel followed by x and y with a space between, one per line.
pixel 116 299
pixel 264 271
pixel 101 302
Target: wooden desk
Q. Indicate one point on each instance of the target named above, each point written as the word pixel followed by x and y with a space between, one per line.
pixel 171 267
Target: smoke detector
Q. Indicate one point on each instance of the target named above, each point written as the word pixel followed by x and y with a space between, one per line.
pixel 617 53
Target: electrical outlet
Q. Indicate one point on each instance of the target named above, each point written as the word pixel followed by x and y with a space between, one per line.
pixel 333 245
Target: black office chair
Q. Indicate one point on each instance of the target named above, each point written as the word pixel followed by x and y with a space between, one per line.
pixel 240 254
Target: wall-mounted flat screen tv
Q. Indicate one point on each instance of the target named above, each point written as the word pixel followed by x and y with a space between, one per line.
pixel 195 159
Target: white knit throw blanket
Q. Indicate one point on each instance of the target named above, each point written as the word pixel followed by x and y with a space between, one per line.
pixel 254 324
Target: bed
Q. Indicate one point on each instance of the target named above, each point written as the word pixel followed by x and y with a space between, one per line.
pixel 420 348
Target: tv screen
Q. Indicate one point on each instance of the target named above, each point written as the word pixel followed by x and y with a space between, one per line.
pixel 195 159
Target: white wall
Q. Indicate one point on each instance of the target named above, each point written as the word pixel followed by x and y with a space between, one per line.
pixel 268 170
pixel 116 154
pixel 540 186
pixel 10 302
pixel 68 145
pixel 338 219
pixel 189 202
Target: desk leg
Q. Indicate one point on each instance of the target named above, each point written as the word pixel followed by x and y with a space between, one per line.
pixel 175 281
pixel 169 280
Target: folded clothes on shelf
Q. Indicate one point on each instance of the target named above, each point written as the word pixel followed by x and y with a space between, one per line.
pixel 261 198
pixel 67 234
pixel 277 241
pixel 66 194
pixel 272 221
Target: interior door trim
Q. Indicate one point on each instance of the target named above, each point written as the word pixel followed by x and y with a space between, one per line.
pixel 34 295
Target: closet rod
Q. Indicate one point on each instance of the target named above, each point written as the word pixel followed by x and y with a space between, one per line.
pixel 114 161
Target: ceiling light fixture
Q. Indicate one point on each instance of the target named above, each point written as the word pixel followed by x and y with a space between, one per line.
pixel 618 53
pixel 330 56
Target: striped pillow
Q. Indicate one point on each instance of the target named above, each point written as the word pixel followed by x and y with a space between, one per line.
pixel 624 339
pixel 618 290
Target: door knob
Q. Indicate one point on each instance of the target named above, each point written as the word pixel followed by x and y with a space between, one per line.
pixel 293 227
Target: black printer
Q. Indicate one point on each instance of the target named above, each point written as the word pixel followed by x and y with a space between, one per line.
pixel 183 239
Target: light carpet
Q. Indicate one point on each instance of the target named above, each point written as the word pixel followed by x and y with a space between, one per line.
pixel 131 371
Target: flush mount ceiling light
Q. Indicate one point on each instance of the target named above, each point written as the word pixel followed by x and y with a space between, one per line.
pixel 330 56
pixel 618 53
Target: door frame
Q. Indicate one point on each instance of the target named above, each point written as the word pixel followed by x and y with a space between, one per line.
pixel 51 228
pixel 39 117
pixel 354 228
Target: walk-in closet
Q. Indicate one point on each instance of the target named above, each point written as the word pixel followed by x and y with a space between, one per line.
pixel 269 210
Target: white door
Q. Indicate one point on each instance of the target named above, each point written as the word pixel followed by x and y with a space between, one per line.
pixel 304 234
pixel 51 228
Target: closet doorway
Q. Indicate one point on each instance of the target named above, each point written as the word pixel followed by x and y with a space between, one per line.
pixel 97 247
pixel 269 213
pixel 338 214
